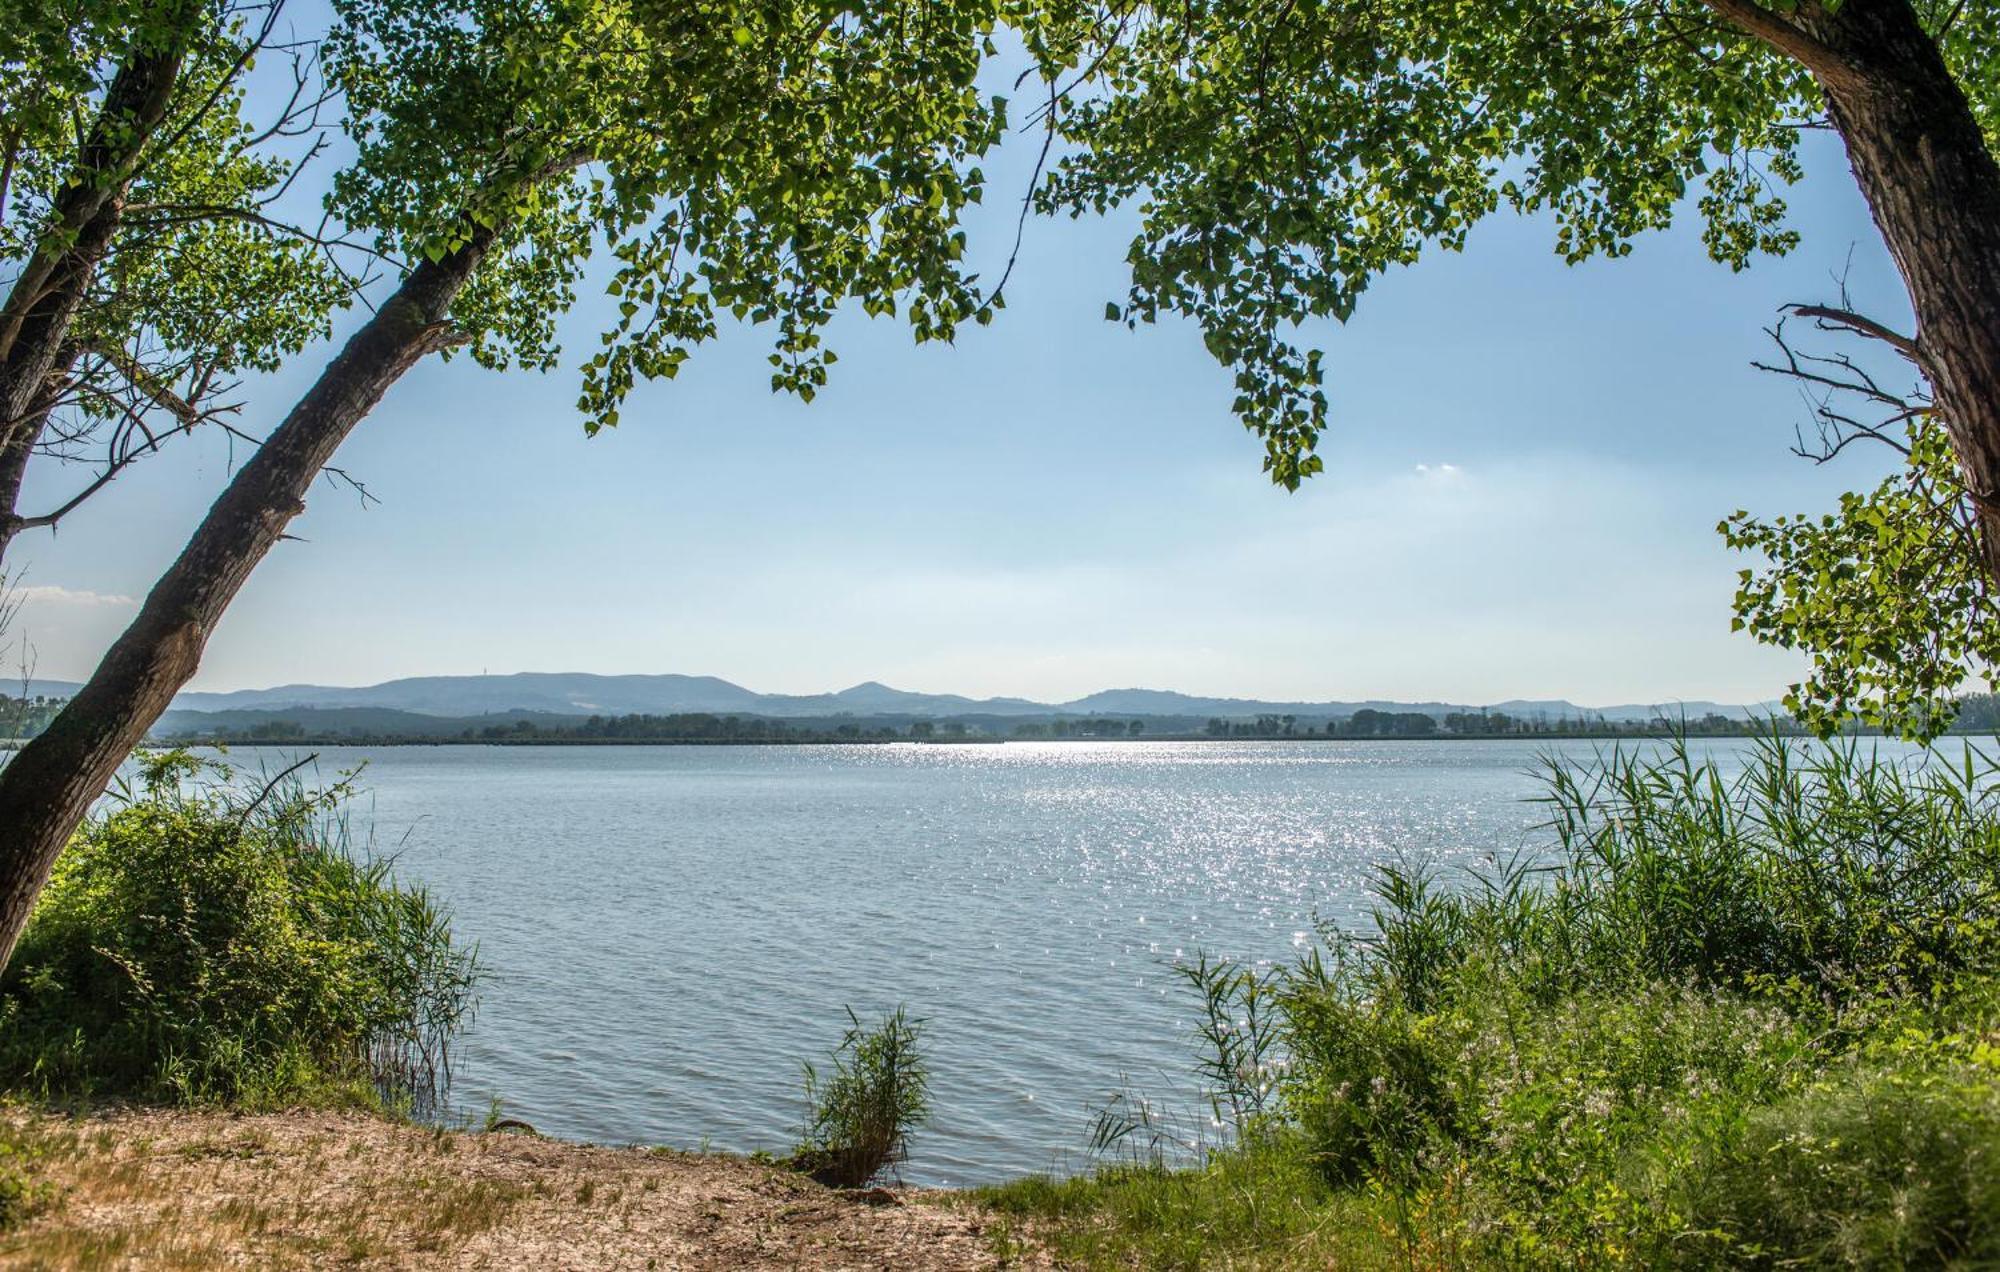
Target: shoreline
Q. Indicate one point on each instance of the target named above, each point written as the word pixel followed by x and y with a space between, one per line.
pixel 1553 736
pixel 154 1187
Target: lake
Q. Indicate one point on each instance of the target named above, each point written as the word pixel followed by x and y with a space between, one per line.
pixel 671 931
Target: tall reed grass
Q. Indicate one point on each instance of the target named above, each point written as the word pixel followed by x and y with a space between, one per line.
pixel 860 1114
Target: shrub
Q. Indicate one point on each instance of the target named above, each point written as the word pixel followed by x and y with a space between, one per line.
pixel 1891 1159
pixel 861 1115
pixel 205 940
pixel 1369 1083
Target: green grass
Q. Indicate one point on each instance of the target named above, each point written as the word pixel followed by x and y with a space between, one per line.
pixel 1722 1022
pixel 1261 1205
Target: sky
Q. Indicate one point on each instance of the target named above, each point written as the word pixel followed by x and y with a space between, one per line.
pixel 1524 472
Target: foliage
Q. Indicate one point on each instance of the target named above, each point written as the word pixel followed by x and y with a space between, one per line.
pixel 862 1113
pixel 164 323
pixel 1284 156
pixel 204 940
pixel 1888 596
pixel 1734 1021
pixel 765 161
pixel 1887 1162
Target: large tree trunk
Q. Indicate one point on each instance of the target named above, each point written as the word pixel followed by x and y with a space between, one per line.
pixel 48 787
pixel 1934 190
pixel 35 318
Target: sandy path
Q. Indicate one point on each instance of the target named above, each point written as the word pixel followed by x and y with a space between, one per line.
pixel 316 1189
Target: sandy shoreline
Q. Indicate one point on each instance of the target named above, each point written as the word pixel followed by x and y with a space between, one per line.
pixel 175 1189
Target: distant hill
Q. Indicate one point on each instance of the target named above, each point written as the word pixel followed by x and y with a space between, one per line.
pixel 459 700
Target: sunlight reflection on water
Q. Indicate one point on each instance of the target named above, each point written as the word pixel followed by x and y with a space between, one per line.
pixel 672 930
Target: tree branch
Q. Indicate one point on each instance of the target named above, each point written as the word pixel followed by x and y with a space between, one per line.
pixel 1861 326
pixel 1829 66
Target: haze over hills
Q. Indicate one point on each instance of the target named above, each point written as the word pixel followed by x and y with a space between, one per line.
pixel 578 693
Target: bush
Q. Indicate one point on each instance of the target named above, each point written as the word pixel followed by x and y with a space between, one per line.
pixel 1369 1085
pixel 1891 1159
pixel 205 940
pixel 862 1114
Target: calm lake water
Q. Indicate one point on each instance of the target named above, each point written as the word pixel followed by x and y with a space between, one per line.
pixel 672 930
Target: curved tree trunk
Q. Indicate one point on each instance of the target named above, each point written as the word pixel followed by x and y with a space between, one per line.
pixel 48 787
pixel 1934 189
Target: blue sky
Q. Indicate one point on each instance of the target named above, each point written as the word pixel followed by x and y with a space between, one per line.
pixel 1523 478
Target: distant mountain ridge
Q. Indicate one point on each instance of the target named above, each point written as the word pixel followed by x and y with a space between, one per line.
pixel 582 693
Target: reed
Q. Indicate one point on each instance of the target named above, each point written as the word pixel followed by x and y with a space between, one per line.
pixel 860 1114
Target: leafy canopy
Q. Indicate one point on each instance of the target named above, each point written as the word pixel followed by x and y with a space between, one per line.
pixel 764 160
pixel 1284 156
pixel 201 282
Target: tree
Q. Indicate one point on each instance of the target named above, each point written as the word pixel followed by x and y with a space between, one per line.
pixel 1284 155
pixel 1288 154
pixel 137 244
pixel 765 160
pixel 47 83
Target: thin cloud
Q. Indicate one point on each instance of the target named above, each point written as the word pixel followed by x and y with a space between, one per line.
pixel 50 594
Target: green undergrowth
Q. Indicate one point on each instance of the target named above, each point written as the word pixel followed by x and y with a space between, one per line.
pixel 209 938
pixel 1744 1021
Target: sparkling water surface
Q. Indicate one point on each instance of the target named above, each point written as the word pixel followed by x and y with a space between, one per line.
pixel 671 931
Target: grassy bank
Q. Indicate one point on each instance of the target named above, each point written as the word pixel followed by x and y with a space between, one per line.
pixel 1744 1022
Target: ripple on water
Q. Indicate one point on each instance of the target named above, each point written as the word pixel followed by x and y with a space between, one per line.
pixel 673 930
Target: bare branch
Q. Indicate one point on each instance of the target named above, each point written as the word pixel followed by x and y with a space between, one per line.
pixel 1825 378
pixel 1833 319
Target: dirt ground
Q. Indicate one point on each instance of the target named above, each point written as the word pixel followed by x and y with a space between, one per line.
pixel 317 1189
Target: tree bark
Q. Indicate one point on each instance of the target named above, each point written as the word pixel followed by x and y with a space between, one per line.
pixel 17 450
pixel 48 787
pixel 36 316
pixel 1933 187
